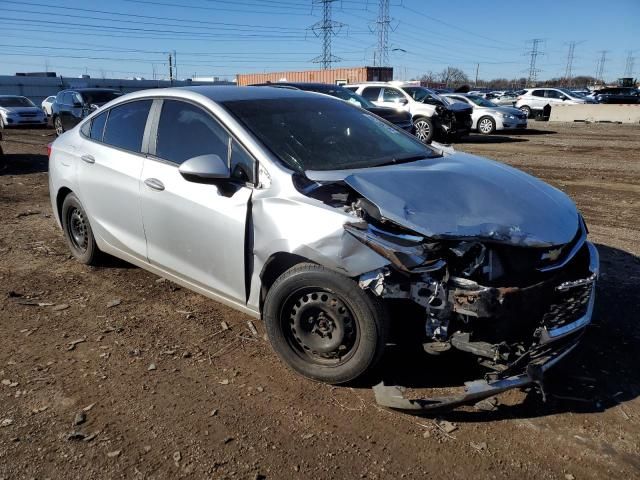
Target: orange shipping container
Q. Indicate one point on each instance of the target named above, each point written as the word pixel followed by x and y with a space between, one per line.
pixel 333 76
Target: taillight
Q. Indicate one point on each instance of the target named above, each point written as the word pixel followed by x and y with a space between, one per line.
pixel 49 148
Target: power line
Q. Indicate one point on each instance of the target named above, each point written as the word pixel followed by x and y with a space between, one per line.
pixel 628 69
pixel 600 65
pixel 569 67
pixel 534 53
pixel 326 28
pixel 382 24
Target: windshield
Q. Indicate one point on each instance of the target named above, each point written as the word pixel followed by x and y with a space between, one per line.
pixel 15 102
pixel 424 95
pixel 98 97
pixel 324 134
pixel 481 102
pixel 344 94
pixel 569 93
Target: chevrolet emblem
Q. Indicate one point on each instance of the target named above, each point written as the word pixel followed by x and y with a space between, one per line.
pixel 552 255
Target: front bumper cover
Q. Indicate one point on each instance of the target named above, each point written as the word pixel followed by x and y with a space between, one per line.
pixel 553 345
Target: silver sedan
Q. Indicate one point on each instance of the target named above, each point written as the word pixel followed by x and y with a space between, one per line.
pixel 322 219
pixel 488 117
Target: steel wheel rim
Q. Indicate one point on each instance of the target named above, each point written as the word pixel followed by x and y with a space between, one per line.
pixel 319 327
pixel 526 111
pixel 486 125
pixel 422 130
pixel 78 229
pixel 58 125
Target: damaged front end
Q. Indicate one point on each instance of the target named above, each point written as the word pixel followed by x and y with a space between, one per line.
pixel 517 309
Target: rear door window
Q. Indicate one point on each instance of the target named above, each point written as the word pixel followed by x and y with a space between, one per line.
pixel 538 93
pixel 186 131
pixel 125 125
pixel 392 95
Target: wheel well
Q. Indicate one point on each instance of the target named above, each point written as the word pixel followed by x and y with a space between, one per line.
pixel 62 194
pixel 276 265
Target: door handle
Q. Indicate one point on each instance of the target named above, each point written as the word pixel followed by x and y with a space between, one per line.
pixel 88 158
pixel 154 184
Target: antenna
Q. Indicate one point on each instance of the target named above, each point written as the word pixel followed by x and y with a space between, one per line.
pixel 326 28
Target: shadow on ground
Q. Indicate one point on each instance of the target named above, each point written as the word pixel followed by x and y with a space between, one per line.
pixel 600 374
pixel 23 164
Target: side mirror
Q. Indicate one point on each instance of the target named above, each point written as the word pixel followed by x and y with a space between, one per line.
pixel 205 169
pixel 403 101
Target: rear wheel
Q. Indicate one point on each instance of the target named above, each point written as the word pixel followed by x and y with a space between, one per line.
pixel 57 124
pixel 77 231
pixel 323 325
pixel 486 125
pixel 526 110
pixel 424 129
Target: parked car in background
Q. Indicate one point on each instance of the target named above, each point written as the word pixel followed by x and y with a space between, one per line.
pixel 502 98
pixel 73 105
pixel 315 216
pixel 432 116
pixel 18 111
pixel 47 104
pixel 616 95
pixel 399 118
pixel 487 116
pixel 534 100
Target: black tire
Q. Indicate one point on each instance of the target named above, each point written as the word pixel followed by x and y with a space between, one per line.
pixel 526 110
pixel 323 325
pixel 57 124
pixel 77 231
pixel 486 125
pixel 423 129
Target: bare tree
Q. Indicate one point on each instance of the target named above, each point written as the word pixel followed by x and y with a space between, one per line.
pixel 452 76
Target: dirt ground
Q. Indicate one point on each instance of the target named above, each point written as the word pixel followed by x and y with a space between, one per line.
pixel 113 373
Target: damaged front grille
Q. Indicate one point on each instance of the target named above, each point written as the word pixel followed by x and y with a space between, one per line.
pixel 568 306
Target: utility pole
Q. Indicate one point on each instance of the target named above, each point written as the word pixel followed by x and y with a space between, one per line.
pixel 326 28
pixel 171 68
pixel 569 67
pixel 477 70
pixel 381 28
pixel 534 52
pixel 628 69
pixel 600 66
pixel 175 65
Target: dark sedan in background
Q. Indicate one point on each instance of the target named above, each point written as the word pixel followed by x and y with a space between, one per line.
pixel 399 118
pixel 616 95
pixel 73 105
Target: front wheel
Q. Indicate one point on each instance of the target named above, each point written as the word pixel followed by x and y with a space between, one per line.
pixel 57 124
pixel 486 125
pixel 424 129
pixel 323 325
pixel 526 110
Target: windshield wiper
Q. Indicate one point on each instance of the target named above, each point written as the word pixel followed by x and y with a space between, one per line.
pixel 403 159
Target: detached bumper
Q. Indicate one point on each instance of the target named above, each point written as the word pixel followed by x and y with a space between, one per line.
pixel 552 345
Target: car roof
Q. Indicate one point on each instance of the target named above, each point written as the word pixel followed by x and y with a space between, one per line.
pixel 87 89
pixel 229 93
pixel 12 96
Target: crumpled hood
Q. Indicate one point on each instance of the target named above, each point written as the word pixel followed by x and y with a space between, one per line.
pixel 461 196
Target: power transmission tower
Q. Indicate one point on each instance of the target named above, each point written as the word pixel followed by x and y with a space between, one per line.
pixel 628 69
pixel 534 53
pixel 326 28
pixel 381 28
pixel 568 70
pixel 600 65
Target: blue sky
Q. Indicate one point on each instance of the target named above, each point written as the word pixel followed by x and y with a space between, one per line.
pixel 124 38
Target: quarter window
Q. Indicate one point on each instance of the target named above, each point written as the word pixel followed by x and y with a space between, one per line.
pixel 186 131
pixel 242 164
pixel 97 126
pixel 125 125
